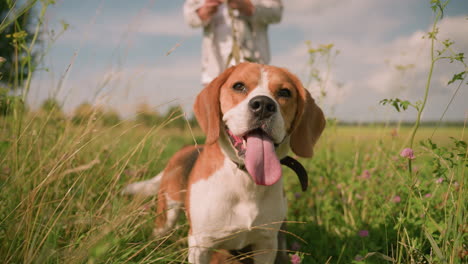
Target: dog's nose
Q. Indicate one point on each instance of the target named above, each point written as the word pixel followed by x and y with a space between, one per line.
pixel 262 106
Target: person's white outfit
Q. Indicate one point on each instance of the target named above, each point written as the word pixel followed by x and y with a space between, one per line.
pixel 217 35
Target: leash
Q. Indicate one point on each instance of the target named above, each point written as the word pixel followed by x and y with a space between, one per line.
pixel 300 171
pixel 288 161
pixel 235 51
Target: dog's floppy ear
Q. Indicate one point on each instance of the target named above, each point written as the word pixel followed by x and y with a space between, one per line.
pixel 207 107
pixel 308 124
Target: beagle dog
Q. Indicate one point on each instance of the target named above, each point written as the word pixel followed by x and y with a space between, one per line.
pixel 231 187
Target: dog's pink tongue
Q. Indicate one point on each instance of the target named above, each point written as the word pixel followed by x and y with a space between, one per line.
pixel 261 160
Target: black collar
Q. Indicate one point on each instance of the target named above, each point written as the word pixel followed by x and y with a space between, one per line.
pixel 300 171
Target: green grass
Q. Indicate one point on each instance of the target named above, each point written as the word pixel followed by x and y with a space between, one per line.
pixel 60 201
pixel 359 182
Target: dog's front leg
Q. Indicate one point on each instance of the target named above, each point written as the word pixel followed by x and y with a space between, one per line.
pixel 198 252
pixel 265 251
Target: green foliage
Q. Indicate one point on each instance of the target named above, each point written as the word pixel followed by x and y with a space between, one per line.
pixel 397 103
pixel 85 113
pixel 147 116
pixel 10 103
pixel 13 40
pixel 457 77
pixel 110 118
pixel 175 117
pixel 320 56
pixel 445 158
pixel 51 105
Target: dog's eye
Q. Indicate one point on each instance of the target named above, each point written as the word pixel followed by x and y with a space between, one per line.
pixel 284 93
pixel 239 87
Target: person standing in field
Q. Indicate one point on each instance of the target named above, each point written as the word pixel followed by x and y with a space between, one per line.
pixel 233 31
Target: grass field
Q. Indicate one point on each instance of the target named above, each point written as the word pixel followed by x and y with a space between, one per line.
pixel 60 201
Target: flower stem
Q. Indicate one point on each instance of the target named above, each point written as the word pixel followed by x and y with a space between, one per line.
pixel 428 82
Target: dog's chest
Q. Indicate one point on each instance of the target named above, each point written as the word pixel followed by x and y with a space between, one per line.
pixel 230 202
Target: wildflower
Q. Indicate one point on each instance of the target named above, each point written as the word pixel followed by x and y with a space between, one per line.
pixel 363 233
pixel 439 180
pixel 365 174
pixel 297 195
pixel 407 153
pixel 428 195
pixel 295 246
pixel 295 259
pixel 396 199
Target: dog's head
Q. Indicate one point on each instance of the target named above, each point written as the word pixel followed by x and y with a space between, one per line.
pixel 256 113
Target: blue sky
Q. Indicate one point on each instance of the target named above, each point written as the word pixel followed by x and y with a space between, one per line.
pixel 117 51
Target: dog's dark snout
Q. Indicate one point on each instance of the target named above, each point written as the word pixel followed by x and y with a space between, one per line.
pixel 262 106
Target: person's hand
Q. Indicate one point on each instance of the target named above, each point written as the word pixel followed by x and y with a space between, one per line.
pixel 244 6
pixel 208 9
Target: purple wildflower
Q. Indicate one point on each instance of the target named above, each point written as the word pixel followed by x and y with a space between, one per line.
pixel 439 180
pixel 428 195
pixel 363 233
pixel 295 259
pixel 297 195
pixel 407 153
pixel 365 174
pixel 396 199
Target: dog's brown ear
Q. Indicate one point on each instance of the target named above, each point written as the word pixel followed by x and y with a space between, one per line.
pixel 308 124
pixel 207 107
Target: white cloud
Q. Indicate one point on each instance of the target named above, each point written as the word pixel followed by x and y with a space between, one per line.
pixel 171 24
pixel 310 6
pixel 335 18
pixel 371 70
pixel 113 30
pixel 409 59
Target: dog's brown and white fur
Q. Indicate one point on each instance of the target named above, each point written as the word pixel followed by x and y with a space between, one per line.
pixel 226 206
